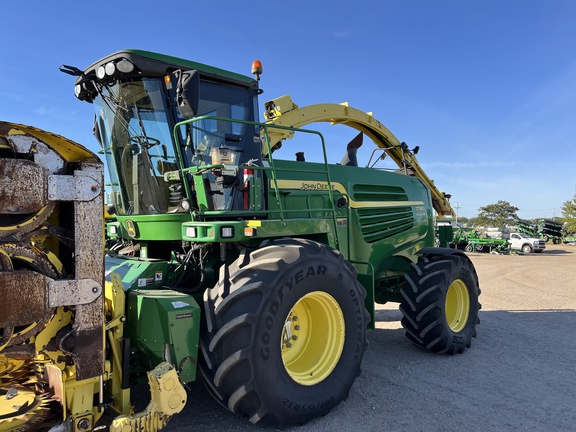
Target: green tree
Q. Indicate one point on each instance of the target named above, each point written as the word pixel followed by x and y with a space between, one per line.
pixel 569 215
pixel 497 215
pixel 462 220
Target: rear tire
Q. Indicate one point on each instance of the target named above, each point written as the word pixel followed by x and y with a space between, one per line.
pixel 291 292
pixel 440 303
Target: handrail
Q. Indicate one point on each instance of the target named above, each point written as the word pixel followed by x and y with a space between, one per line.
pixel 267 149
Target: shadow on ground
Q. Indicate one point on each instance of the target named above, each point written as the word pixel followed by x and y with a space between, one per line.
pixel 518 374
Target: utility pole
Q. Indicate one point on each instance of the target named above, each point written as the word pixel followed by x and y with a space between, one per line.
pixel 457 206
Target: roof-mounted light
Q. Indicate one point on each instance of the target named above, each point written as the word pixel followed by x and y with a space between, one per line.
pixel 110 69
pixel 125 66
pixel 257 69
pixel 101 72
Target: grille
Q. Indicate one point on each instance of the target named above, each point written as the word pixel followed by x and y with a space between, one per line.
pixel 379 223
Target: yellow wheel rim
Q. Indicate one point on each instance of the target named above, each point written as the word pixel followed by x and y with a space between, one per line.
pixel 457 306
pixel 313 338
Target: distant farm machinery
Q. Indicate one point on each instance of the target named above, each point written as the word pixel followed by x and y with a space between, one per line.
pixel 524 238
pixel 546 229
pixel 471 240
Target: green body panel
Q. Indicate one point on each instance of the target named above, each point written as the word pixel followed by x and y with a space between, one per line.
pixel 445 232
pixel 377 218
pixel 138 272
pixel 366 278
pixel 210 232
pixel 164 325
pixel 202 197
pixel 159 227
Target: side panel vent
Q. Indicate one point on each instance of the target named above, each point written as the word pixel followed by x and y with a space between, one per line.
pixel 364 192
pixel 381 223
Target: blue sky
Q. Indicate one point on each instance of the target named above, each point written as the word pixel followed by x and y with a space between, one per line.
pixel 487 89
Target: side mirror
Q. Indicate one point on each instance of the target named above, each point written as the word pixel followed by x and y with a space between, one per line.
pixel 187 93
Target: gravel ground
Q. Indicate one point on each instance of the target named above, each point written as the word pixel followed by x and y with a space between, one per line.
pixel 518 375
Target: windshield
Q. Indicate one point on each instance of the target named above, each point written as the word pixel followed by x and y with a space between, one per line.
pixel 132 126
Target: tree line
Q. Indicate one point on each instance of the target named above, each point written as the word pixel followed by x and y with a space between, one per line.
pixel 503 213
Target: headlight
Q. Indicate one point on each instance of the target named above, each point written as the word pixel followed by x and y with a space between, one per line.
pixel 112 229
pixel 191 232
pixel 101 72
pixel 227 232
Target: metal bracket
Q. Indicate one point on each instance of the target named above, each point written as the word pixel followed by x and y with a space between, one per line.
pixel 79 187
pixel 73 292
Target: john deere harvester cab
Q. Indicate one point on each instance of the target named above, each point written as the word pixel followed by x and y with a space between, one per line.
pixel 138 99
pixel 261 269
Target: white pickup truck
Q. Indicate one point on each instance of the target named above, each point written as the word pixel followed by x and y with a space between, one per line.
pixel 525 243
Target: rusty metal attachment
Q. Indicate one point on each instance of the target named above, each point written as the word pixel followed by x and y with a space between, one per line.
pixel 51 273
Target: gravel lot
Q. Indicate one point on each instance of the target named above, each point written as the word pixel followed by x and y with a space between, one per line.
pixel 519 374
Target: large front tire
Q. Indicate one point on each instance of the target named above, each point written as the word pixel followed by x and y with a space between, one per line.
pixel 285 333
pixel 440 303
